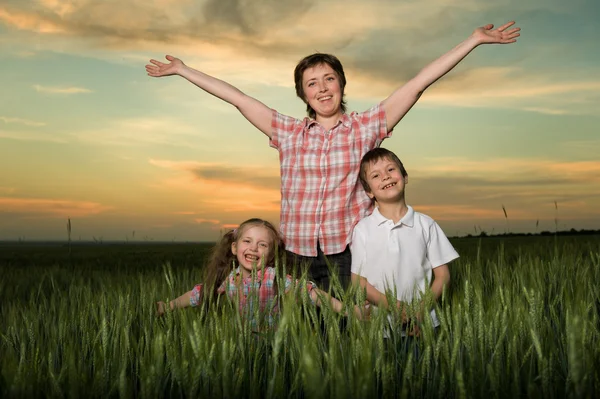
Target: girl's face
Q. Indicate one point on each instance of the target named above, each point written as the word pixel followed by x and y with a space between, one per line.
pixel 322 90
pixel 252 248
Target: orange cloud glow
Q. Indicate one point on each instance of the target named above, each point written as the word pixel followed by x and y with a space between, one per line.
pixel 504 168
pixel 31 22
pixel 466 212
pixel 209 221
pixel 51 207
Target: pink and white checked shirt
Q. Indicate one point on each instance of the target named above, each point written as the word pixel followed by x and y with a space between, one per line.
pixel 321 197
pixel 257 297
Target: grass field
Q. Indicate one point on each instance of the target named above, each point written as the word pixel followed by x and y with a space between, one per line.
pixel 521 318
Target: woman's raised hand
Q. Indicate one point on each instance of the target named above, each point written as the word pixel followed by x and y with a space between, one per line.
pixel 501 35
pixel 158 69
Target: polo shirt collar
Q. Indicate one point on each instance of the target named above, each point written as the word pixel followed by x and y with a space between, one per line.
pixel 408 219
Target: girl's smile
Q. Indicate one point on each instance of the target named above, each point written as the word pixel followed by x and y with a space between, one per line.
pixel 252 248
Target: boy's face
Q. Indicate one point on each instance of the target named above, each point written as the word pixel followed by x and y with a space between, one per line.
pixel 386 183
pixel 322 91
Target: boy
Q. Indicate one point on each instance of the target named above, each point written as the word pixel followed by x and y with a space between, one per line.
pixel 396 249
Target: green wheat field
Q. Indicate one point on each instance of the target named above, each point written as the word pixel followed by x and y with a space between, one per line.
pixel 521 318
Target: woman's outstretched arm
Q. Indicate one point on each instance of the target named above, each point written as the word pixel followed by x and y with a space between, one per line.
pixel 253 110
pixel 403 98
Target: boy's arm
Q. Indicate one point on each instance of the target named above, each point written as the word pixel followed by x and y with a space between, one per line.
pixel 253 110
pixel 316 294
pixel 337 306
pixel 441 280
pixel 182 301
pixel 373 295
pixel 402 100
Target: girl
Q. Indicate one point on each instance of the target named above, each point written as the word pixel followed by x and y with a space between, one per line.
pixel 321 198
pixel 250 250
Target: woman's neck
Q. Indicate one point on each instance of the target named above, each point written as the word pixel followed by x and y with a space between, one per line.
pixel 328 122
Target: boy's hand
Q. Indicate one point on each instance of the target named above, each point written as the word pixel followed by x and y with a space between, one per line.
pixel 159 69
pixel 501 35
pixel 161 308
pixel 415 331
pixel 402 306
pixel 362 312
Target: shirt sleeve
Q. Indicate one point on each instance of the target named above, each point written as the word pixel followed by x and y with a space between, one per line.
pixel 375 123
pixel 439 249
pixel 281 127
pixel 195 299
pixel 358 249
pixel 310 286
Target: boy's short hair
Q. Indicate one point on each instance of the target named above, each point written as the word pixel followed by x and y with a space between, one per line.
pixel 375 155
pixel 312 61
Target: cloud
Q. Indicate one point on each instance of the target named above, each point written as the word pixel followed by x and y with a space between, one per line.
pixel 221 190
pixel 474 190
pixel 515 170
pixel 248 18
pixel 248 176
pixel 31 136
pixel 163 130
pixel 463 212
pixel 61 90
pixel 20 121
pixel 7 190
pixel 382 44
pixel 26 20
pixel 207 221
pixel 56 208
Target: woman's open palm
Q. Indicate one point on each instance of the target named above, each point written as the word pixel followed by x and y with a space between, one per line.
pixel 502 35
pixel 158 69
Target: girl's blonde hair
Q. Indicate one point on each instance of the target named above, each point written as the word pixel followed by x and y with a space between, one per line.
pixel 222 260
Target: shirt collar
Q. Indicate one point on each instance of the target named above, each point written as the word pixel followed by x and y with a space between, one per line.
pixel 408 219
pixel 344 120
pixel 238 271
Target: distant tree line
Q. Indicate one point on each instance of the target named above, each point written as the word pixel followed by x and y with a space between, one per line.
pixel 570 232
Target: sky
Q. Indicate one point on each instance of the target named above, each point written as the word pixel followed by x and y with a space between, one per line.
pixel 86 135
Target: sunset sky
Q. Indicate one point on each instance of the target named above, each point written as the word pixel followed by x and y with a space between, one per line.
pixel 85 134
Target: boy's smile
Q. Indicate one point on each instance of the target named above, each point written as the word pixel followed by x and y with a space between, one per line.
pixel 386 182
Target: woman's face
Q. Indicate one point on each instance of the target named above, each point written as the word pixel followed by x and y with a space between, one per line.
pixel 322 89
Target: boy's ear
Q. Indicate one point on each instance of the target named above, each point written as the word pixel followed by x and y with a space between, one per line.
pixel 406 179
pixel 370 194
pixel 234 248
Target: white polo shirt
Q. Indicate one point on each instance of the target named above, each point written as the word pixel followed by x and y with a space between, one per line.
pixel 400 256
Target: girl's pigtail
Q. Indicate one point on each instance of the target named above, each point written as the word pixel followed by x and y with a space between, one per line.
pixel 220 264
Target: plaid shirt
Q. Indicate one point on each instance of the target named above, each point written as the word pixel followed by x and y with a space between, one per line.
pixel 321 197
pixel 257 300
